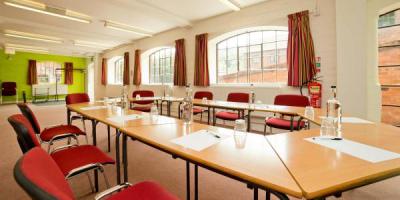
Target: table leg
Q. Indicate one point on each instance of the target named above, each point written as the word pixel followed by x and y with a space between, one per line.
pixel 208 115
pixel 68 117
pixel 248 121
pixel 117 157
pixel 214 118
pixel 169 108
pixel 255 194
pixel 196 182
pixel 125 156
pixel 267 194
pixel 108 138
pixel 161 107
pixel 187 180
pixel 179 110
pixel 291 123
pixel 96 175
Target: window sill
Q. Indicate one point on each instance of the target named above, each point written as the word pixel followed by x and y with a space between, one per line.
pixel 113 84
pixel 271 85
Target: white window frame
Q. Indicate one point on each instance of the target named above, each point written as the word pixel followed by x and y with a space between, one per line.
pixel 114 65
pixel 151 59
pixel 50 70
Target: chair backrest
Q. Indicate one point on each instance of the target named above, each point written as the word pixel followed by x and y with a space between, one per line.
pixel 201 94
pixel 39 175
pixel 143 93
pixel 238 97
pixel 25 135
pixel 27 112
pixel 77 98
pixel 291 100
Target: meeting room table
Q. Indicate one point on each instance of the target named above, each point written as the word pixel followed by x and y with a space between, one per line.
pixel 297 164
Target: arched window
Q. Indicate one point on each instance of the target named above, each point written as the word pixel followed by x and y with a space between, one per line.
pixel 161 66
pixel 255 56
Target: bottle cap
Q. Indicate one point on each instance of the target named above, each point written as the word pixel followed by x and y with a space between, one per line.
pixel 333 86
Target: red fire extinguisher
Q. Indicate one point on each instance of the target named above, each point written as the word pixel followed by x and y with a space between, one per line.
pixel 315 92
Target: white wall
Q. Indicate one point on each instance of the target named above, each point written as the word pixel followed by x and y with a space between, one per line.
pixel 270 13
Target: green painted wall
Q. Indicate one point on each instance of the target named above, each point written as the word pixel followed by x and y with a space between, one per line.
pixel 15 68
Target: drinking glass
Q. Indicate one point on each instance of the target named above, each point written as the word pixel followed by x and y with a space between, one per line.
pixel 327 127
pixel 309 112
pixel 138 97
pixel 154 112
pixel 240 133
pixel 204 100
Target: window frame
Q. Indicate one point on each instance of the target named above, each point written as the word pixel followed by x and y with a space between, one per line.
pixel 114 61
pixel 248 58
pixel 55 72
pixel 161 68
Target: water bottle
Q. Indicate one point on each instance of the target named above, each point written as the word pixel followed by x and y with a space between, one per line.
pixel 334 111
pixel 124 98
pixel 187 107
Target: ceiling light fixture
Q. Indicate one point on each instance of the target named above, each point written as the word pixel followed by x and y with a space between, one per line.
pixel 91 44
pixel 26 48
pixel 127 28
pixel 32 36
pixel 48 10
pixel 231 4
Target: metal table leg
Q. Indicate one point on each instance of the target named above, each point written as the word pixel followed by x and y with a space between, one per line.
pixel 248 120
pixel 68 117
pixel 196 182
pixel 187 180
pixel 117 157
pixel 125 156
pixel 96 175
pixel 255 194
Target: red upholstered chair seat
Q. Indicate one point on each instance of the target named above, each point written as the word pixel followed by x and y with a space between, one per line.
pixel 145 190
pixel 197 110
pixel 142 108
pixel 73 158
pixel 226 115
pixel 284 123
pixel 49 133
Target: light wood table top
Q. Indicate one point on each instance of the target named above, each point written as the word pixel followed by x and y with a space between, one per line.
pixel 103 114
pixel 255 163
pixel 321 171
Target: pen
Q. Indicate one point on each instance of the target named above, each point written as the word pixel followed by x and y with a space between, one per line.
pixel 213 134
pixel 318 138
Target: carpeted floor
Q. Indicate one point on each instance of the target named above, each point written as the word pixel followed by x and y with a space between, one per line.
pixel 145 163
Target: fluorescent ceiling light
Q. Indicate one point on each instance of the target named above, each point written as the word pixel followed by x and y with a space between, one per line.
pixel 91 44
pixel 32 36
pixel 127 28
pixel 48 10
pixel 26 48
pixel 231 4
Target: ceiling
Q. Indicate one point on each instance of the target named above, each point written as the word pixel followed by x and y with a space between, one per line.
pixel 154 16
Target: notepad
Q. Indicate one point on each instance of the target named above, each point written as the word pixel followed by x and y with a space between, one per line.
pixel 122 119
pixel 356 149
pixel 201 139
pixel 93 107
pixel 355 120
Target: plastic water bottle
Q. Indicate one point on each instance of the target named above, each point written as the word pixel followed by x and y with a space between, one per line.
pixel 187 106
pixel 252 94
pixel 334 111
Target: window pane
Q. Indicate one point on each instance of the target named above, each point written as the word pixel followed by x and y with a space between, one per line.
pixel 232 42
pixel 243 57
pixel 256 37
pixel 268 36
pixel 243 39
pixel 222 45
pixel 222 54
pixel 281 35
pixel 232 66
pixel 255 57
pixel 222 67
pixel 232 53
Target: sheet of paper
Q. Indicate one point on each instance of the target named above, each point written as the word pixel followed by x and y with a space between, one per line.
pixel 355 120
pixel 121 119
pixel 355 149
pixel 93 107
pixel 200 140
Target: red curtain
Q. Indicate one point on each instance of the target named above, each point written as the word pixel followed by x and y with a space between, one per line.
pixel 180 63
pixel 126 68
pixel 104 71
pixel 300 51
pixel 32 72
pixel 137 73
pixel 69 73
pixel 201 76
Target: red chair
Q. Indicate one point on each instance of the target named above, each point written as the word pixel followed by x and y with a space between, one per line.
pixel 41 178
pixel 201 95
pixel 232 116
pixel 281 122
pixel 51 134
pixel 77 98
pixel 142 105
pixel 71 159
pixel 9 89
